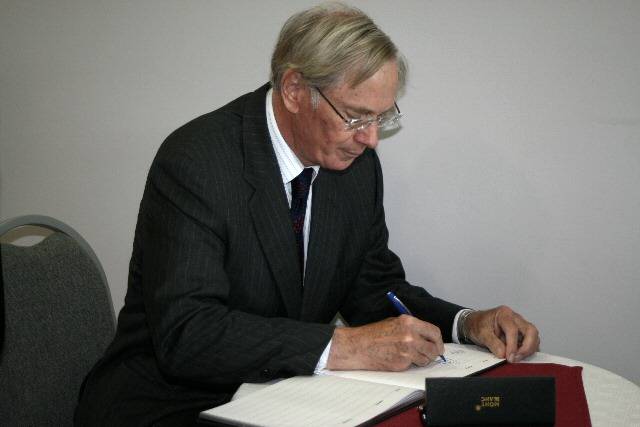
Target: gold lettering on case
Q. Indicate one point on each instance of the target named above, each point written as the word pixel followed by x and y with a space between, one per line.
pixel 488 402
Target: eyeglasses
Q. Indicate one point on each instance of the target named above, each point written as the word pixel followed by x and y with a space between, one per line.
pixel 387 120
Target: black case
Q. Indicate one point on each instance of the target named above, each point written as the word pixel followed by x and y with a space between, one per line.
pixel 477 401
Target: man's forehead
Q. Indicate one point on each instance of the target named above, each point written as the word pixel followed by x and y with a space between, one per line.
pixel 374 95
pixel 364 101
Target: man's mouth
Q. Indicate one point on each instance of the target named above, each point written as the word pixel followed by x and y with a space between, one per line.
pixel 353 154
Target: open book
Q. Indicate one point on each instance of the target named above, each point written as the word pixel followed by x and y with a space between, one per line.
pixel 346 398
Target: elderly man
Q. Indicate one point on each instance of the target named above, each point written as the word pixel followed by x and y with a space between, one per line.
pixel 259 223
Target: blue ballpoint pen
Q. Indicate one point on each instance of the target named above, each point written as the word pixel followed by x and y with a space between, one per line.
pixel 402 309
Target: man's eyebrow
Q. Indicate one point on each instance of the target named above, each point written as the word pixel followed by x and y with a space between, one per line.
pixel 359 110
pixel 364 110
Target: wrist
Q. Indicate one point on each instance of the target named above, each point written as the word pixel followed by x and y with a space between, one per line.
pixel 341 353
pixel 463 329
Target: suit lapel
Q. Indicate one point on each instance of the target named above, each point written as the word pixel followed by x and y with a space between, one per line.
pixel 268 205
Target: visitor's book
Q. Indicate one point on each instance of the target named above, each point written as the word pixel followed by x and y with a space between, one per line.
pixel 345 398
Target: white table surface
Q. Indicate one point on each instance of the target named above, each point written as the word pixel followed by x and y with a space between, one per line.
pixel 613 400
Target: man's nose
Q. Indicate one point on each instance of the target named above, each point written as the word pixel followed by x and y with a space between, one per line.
pixel 368 136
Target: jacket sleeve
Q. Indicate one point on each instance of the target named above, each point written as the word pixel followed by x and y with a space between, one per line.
pixel 381 271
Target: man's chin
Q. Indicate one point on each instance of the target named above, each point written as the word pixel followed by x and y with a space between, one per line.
pixel 339 164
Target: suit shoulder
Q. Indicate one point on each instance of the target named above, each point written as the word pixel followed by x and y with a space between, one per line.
pixel 214 137
pixel 211 131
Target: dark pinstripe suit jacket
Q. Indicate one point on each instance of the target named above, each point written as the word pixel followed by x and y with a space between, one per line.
pixel 214 296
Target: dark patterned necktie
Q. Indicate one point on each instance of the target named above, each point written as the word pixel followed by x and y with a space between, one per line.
pixel 299 193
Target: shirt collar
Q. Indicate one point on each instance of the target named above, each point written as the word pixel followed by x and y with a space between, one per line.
pixel 289 164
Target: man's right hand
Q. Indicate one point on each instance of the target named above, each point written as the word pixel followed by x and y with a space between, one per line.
pixel 392 344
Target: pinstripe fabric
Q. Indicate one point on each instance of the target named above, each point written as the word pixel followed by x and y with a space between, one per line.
pixel 290 167
pixel 213 297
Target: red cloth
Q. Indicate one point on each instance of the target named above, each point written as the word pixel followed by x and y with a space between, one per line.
pixel 571 403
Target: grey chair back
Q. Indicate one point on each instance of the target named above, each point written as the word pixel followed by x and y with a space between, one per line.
pixel 58 320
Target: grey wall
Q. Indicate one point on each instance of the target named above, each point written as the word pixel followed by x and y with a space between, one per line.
pixel 514 179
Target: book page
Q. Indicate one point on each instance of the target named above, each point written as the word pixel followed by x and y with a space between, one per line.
pixel 313 401
pixel 462 361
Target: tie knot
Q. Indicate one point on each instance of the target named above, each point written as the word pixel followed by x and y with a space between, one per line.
pixel 301 183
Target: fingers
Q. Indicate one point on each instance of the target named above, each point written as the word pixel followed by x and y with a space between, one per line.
pixel 505 319
pixel 506 333
pixel 424 340
pixel 521 337
pixel 484 330
pixel 530 340
pixel 426 352
pixel 495 345
pixel 431 335
pixel 392 344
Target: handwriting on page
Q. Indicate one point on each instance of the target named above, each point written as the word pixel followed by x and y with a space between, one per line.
pixel 451 362
pixel 462 360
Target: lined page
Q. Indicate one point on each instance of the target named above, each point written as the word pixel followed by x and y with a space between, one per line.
pixel 462 361
pixel 313 401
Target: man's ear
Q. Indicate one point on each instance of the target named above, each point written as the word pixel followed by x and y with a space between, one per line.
pixel 293 90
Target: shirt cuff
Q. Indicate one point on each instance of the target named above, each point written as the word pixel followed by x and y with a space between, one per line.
pixel 322 363
pixel 454 332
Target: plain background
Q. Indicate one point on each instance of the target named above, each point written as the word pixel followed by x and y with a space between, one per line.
pixel 513 180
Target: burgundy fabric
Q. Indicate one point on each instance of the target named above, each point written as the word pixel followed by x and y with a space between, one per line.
pixel 408 418
pixel 571 402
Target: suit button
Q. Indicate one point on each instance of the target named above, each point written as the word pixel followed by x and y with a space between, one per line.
pixel 266 373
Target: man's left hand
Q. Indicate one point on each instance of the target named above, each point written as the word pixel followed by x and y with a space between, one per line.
pixel 503 331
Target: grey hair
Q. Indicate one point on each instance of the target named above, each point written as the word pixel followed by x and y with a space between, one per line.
pixel 333 43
